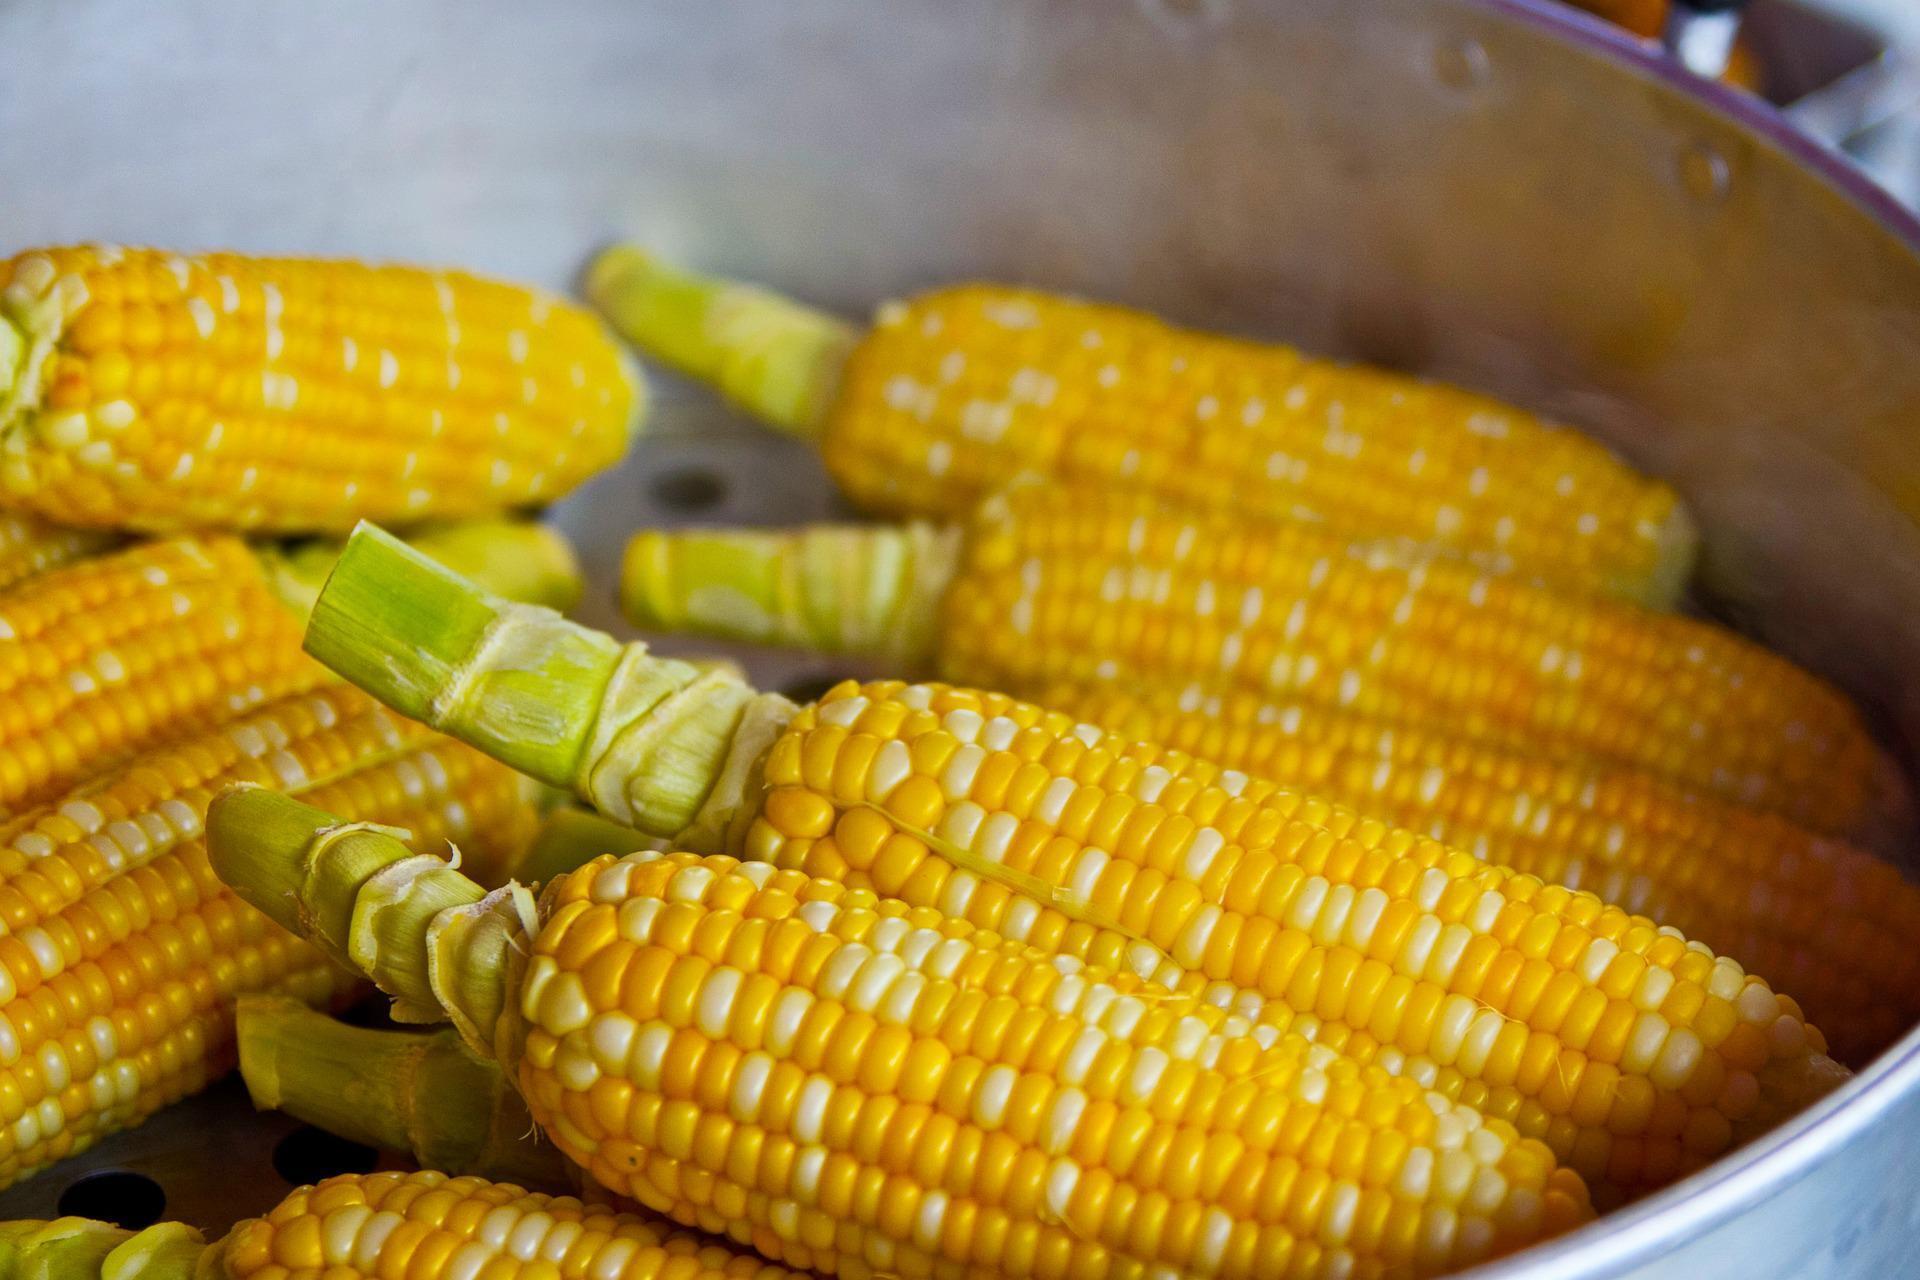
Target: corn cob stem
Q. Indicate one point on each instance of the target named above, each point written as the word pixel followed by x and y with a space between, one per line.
pixel 648 740
pixel 360 894
pixel 422 1093
pixel 867 589
pixel 775 358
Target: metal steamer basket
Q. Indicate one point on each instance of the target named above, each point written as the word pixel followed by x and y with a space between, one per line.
pixel 1494 191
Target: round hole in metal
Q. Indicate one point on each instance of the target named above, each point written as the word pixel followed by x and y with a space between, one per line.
pixel 690 489
pixel 120 1196
pixel 1462 64
pixel 309 1155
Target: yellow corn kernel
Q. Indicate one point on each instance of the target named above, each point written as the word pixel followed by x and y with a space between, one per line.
pixel 1300 911
pixel 1288 613
pixel 1817 916
pixel 952 394
pixel 994 1096
pixel 121 952
pixel 105 657
pixel 159 391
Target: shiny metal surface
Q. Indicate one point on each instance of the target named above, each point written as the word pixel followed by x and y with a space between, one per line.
pixel 1486 190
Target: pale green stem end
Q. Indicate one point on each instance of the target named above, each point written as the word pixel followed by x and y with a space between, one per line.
pixel 650 742
pixel 434 646
pixel 852 589
pixel 82 1249
pixel 775 358
pixel 428 936
pixel 423 1093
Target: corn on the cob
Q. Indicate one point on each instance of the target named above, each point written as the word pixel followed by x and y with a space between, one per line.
pixel 103 658
pixel 148 390
pixel 121 952
pixel 1826 922
pixel 29 546
pixel 759 1052
pixel 953 394
pixel 379 1226
pixel 1634 1053
pixel 1048 584
pixel 421 1093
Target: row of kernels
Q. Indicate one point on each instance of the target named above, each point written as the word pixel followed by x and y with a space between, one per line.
pixel 93 997
pixel 1571 1069
pixel 63 1060
pixel 178 880
pixel 399 1224
pixel 1648 642
pixel 148 809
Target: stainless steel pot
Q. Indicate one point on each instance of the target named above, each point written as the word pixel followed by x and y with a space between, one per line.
pixel 1495 191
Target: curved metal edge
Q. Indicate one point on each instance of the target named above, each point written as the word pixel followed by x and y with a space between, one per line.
pixel 1792 1152
pixel 1733 1185
pixel 1596 34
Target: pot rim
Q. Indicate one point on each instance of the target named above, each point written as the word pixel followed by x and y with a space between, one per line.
pixel 1791 1152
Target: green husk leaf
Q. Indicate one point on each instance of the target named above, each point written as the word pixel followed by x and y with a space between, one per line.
pixel 431 938
pixel 775 358
pixel 644 739
pixel 425 1094
pixel 857 589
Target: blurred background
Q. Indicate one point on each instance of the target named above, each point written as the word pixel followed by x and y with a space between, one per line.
pixel 1846 71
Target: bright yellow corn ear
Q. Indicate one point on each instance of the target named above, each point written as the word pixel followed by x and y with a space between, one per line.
pixel 1825 921
pixel 1050 584
pixel 157 391
pixel 112 655
pixel 847 1082
pixel 950 395
pixel 121 953
pixel 375 1226
pixel 1112 587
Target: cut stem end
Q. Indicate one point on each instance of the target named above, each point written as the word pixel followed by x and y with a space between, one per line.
pixel 775 358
